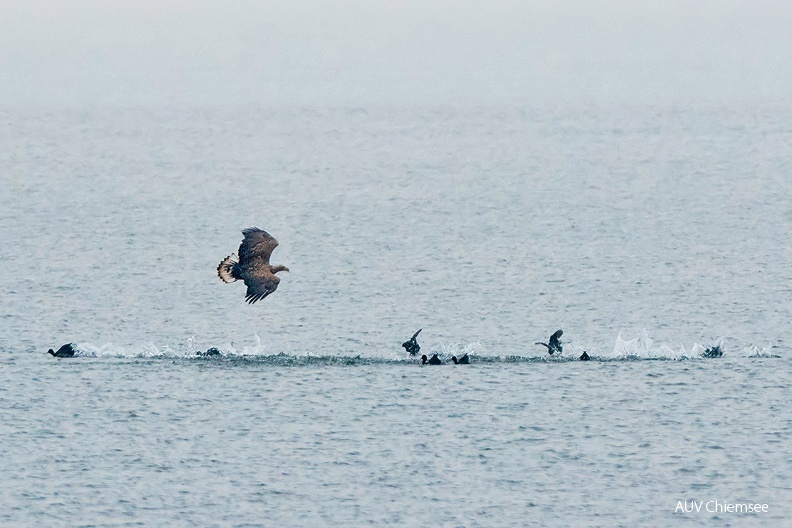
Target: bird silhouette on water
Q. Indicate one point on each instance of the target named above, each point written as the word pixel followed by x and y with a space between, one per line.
pixel 434 360
pixel 412 346
pixel 253 267
pixel 584 356
pixel 554 345
pixel 464 360
pixel 66 351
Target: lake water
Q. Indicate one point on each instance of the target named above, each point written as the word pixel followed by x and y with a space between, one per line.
pixel 647 234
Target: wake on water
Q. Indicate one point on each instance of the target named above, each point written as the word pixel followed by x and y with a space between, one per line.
pixel 640 348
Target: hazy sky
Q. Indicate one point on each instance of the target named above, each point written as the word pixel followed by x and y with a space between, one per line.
pixel 357 52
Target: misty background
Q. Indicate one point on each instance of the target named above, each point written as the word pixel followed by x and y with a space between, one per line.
pixel 599 52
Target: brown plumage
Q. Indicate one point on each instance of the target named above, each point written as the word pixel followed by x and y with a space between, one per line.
pixel 253 266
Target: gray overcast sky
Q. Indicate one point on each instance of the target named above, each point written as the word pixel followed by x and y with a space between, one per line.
pixel 357 52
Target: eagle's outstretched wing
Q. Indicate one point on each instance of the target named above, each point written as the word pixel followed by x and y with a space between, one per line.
pixel 256 247
pixel 260 283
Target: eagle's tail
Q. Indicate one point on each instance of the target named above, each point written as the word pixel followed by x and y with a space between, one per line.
pixel 228 269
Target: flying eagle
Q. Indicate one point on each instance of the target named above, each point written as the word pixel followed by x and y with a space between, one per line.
pixel 253 266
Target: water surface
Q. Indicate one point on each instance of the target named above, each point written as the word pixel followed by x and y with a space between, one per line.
pixel 647 234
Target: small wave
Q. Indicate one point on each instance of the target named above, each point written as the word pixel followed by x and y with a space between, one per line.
pixel 301 360
pixel 639 348
pixel 642 347
pixel 756 352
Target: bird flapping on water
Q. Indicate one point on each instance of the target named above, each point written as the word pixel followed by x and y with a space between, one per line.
pixel 412 346
pixel 554 345
pixel 253 266
pixel 464 360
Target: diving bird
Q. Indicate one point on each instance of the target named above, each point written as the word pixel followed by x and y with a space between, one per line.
pixel 464 360
pixel 712 352
pixel 65 351
pixel 412 345
pixel 253 267
pixel 554 345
